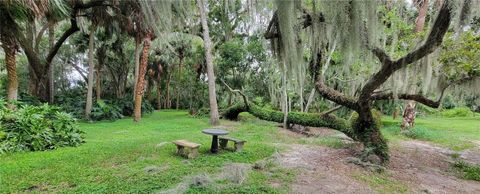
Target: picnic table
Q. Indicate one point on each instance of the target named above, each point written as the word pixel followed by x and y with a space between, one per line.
pixel 215 133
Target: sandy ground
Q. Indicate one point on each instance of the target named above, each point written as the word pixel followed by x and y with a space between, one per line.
pixel 419 166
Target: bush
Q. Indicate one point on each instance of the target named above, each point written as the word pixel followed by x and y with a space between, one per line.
pixel 418 133
pixel 34 128
pixel 377 118
pixel 73 101
pixel 103 111
pixel 469 171
pixel 457 112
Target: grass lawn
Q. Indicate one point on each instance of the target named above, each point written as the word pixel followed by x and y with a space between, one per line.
pixel 455 133
pixel 128 157
pixel 117 155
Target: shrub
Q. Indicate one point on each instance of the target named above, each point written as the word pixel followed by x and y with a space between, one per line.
pixel 469 171
pixel 418 132
pixel 104 111
pixel 457 112
pixel 34 128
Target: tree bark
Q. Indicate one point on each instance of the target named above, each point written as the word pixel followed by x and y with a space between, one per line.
pixel 9 47
pixel 98 82
pixel 51 78
pixel 137 63
pixel 91 67
pixel 159 94
pixel 141 78
pixel 214 117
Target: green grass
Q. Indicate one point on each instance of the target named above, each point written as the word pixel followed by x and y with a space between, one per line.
pixel 468 171
pixel 115 155
pixel 381 182
pixel 455 133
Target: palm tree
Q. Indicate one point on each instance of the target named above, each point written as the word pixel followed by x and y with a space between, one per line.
pixel 214 118
pixel 137 113
pixel 22 16
pixel 9 46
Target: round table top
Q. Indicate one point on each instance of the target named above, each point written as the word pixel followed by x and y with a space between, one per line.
pixel 215 131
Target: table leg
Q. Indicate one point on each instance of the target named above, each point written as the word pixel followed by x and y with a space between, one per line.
pixel 214 148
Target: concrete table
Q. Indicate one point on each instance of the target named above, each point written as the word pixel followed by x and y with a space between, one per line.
pixel 215 133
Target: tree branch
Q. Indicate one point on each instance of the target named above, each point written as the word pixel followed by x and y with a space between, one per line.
pixel 415 97
pixel 434 40
pixel 336 96
pixel 331 110
pixel 236 91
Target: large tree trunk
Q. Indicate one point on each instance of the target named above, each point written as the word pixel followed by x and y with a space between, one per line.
pixel 214 117
pixel 9 47
pixel 91 67
pixel 141 79
pixel 366 130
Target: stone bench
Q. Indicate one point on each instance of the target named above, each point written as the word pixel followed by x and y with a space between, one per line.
pixel 238 144
pixel 186 149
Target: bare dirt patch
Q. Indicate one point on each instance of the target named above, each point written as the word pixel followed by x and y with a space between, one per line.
pixel 419 166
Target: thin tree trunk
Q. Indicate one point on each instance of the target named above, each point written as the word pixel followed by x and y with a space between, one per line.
pixel 9 47
pixel 284 96
pixel 168 103
pixel 159 95
pixel 214 117
pixel 98 82
pixel 91 66
pixel 51 71
pixel 137 63
pixel 310 99
pixel 141 79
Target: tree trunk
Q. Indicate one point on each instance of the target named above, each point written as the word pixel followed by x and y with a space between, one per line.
pixel 179 80
pixel 310 99
pixel 91 66
pixel 98 82
pixel 366 130
pixel 137 63
pixel 159 95
pixel 168 103
pixel 214 117
pixel 141 78
pixel 51 78
pixel 9 47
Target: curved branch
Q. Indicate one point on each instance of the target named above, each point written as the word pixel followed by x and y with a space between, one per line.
pixel 336 96
pixel 415 97
pixel 245 100
pixel 434 40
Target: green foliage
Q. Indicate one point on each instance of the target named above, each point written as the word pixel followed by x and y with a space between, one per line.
pixel 419 132
pixel 104 111
pixel 460 56
pixel 34 128
pixel 469 171
pixel 29 99
pixel 457 112
pixel 73 101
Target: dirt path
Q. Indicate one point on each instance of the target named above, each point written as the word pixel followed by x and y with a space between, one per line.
pixel 419 166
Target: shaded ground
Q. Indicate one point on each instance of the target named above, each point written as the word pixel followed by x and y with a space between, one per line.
pixel 415 167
